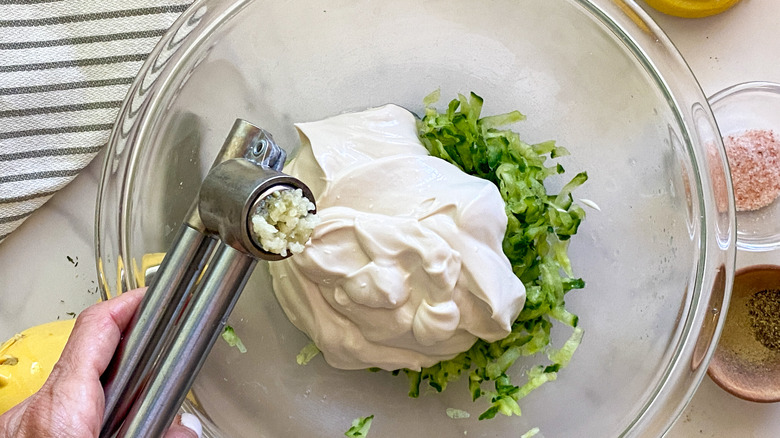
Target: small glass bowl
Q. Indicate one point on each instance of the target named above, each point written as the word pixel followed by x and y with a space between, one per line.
pixel 737 109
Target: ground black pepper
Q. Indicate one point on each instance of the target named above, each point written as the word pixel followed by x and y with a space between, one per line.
pixel 747 360
pixel 764 313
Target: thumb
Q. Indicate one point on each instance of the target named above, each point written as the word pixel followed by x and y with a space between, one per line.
pixel 185 426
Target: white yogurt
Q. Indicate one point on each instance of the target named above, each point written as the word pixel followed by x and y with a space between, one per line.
pixel 405 268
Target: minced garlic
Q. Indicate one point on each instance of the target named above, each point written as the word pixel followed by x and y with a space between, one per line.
pixel 284 222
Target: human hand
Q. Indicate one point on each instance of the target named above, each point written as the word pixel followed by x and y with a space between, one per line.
pixel 71 402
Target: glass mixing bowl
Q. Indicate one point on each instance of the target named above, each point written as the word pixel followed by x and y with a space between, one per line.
pixel 597 76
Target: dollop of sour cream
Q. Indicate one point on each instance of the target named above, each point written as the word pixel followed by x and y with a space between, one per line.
pixel 405 268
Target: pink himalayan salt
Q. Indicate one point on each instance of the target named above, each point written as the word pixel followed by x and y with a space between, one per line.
pixel 754 160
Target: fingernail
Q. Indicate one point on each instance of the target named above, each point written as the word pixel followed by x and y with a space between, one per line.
pixel 191 422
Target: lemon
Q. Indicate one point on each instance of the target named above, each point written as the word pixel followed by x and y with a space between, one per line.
pixel 26 360
pixel 691 8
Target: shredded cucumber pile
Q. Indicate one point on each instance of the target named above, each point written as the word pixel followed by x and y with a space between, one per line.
pixel 538 231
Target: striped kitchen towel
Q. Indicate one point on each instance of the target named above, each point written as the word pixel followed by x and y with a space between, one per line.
pixel 65 66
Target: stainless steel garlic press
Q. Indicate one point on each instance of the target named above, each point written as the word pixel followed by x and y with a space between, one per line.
pixel 195 288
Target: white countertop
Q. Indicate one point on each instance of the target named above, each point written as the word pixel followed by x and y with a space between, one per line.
pixel 737 46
